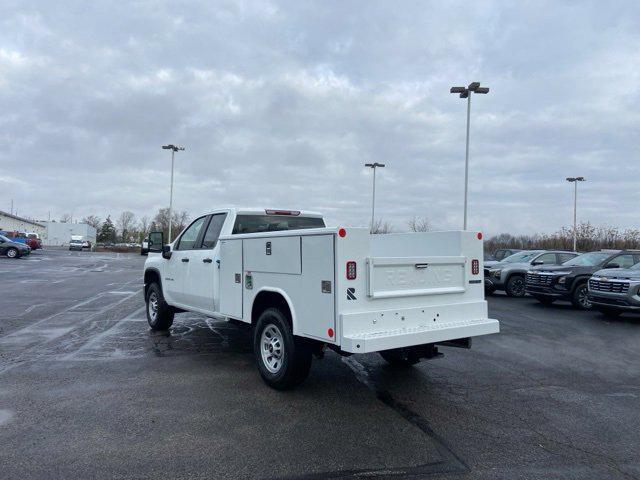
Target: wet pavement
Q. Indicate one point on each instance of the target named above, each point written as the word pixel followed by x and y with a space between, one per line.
pixel 88 391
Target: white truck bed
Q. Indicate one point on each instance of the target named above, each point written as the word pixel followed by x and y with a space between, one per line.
pixel 409 289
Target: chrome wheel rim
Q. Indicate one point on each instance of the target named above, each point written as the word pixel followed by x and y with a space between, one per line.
pixel 153 306
pixel 583 300
pixel 11 253
pixel 272 348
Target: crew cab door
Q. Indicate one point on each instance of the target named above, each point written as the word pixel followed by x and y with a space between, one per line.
pixel 177 268
pixel 204 274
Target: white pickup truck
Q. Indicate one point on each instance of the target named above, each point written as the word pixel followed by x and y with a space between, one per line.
pixel 304 287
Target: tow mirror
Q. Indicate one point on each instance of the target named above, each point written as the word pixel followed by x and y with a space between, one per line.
pixel 166 252
pixel 156 241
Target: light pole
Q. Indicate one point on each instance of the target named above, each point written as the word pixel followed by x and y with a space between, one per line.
pixel 465 92
pixel 373 200
pixel 174 149
pixel 575 181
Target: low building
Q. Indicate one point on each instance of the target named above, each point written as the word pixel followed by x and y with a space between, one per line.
pixel 59 234
pixel 13 223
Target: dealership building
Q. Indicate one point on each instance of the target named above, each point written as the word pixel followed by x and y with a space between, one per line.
pixel 13 223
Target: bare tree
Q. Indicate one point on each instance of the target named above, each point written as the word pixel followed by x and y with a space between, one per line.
pixel 66 218
pixel 419 224
pixel 381 226
pixel 144 227
pixel 125 223
pixel 92 220
pixel 179 221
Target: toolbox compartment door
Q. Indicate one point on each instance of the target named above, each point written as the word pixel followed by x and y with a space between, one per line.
pixel 231 278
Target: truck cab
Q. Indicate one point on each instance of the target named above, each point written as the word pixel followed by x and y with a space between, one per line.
pixel 304 287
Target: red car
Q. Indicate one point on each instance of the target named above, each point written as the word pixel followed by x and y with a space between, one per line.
pixel 33 240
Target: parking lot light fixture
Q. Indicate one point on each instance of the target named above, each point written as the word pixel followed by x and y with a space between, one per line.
pixel 575 181
pixel 373 200
pixel 465 92
pixel 174 149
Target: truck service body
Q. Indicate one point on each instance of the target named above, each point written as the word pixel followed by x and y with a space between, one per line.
pixel 398 294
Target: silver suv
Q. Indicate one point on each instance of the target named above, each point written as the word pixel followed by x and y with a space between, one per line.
pixel 616 290
pixel 509 274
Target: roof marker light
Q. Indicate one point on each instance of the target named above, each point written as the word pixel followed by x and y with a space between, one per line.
pixel 342 232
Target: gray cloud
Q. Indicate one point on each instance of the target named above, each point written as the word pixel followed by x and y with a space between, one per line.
pixel 280 104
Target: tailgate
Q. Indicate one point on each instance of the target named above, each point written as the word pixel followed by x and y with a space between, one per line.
pixel 402 277
pixel 411 289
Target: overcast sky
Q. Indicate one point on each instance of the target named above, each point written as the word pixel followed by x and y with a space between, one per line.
pixel 280 104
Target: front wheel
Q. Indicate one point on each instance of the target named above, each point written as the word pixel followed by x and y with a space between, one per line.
pixel 400 357
pixel 515 286
pixel 283 360
pixel 159 313
pixel 12 253
pixel 580 299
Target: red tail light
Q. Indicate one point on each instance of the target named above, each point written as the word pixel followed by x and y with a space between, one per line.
pixel 475 266
pixel 351 270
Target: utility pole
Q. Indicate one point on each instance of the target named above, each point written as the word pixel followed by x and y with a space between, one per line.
pixel 465 92
pixel 174 149
pixel 373 199
pixel 575 181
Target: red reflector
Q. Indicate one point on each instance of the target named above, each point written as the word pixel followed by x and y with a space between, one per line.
pixel 351 270
pixel 342 232
pixel 330 332
pixel 479 235
pixel 282 212
pixel 475 267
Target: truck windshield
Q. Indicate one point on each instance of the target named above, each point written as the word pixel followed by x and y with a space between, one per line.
pixel 274 223
pixel 521 257
pixel 588 259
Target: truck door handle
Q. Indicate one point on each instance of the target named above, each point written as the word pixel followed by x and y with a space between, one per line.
pixel 421 265
pixel 207 260
pixel 185 260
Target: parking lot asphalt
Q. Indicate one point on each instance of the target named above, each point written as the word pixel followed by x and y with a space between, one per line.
pixel 88 391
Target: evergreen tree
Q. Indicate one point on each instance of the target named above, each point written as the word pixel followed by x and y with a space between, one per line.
pixel 107 232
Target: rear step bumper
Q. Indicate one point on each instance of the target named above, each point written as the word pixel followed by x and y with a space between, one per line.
pixel 406 337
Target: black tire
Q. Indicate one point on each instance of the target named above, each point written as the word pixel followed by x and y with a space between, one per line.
pixel 579 297
pixel 515 286
pixel 610 312
pixel 283 360
pixel 544 299
pixel 12 253
pixel 159 313
pixel 400 357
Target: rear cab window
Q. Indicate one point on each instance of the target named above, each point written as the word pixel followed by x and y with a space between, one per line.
pixel 274 223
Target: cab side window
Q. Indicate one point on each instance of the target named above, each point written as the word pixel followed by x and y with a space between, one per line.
pixel 546 259
pixel 213 231
pixel 623 261
pixel 565 257
pixel 190 236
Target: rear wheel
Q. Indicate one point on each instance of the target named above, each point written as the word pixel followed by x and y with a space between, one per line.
pixel 401 357
pixel 283 360
pixel 12 253
pixel 580 299
pixel 159 313
pixel 515 286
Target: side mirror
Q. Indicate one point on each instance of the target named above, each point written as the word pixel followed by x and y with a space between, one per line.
pixel 537 262
pixel 166 251
pixel 156 242
pixel 612 265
